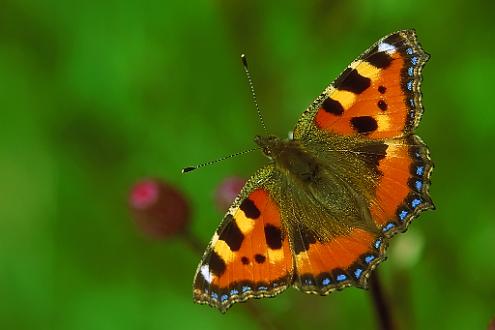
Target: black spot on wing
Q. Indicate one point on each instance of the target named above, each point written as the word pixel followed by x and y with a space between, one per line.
pixel 350 80
pixel 382 89
pixel 332 106
pixel 382 105
pixel 249 208
pixel 217 265
pixel 303 240
pixel 232 235
pixel 380 60
pixel 273 236
pixel 364 124
pixel 245 260
pixel 259 258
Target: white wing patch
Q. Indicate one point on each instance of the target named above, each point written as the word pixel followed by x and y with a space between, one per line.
pixel 205 271
pixel 384 47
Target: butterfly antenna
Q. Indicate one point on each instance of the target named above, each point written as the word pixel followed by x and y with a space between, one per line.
pixel 251 86
pixel 195 167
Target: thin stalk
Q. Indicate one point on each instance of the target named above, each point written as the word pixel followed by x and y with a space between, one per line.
pixel 380 302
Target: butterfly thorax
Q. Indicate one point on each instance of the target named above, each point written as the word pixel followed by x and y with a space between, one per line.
pixel 289 156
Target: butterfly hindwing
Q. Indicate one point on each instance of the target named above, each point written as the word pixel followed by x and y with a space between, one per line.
pixel 249 255
pixel 347 259
pixel 403 188
pixel 378 95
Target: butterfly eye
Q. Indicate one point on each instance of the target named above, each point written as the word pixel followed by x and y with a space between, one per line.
pixel 267 151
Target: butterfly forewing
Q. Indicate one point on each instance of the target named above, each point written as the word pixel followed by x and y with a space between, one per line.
pixel 378 95
pixel 249 255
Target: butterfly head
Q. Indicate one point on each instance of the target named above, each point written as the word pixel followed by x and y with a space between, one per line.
pixel 270 145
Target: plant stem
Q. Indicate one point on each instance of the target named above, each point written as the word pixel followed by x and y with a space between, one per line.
pixel 381 304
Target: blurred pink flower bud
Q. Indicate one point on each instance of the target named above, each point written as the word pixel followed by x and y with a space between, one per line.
pixel 227 191
pixel 159 209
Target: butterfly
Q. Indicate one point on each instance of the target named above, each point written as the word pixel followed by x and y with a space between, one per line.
pixel 319 216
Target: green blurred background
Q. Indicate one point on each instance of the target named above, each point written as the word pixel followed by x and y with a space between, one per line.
pixel 96 95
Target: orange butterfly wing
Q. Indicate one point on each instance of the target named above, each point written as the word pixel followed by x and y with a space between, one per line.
pixel 345 260
pixel 403 190
pixel 378 95
pixel 249 255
